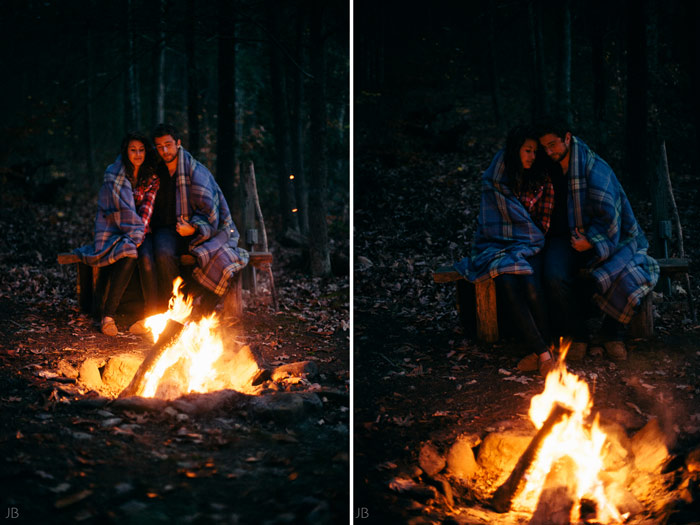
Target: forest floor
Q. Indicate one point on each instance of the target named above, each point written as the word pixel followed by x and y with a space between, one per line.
pixel 420 378
pixel 69 454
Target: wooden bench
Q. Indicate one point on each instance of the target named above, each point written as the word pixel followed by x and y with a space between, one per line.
pixel 91 283
pixel 481 312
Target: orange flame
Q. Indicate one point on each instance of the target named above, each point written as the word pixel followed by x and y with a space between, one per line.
pixel 197 361
pixel 572 438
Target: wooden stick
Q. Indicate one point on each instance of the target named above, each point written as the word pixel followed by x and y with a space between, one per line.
pixel 261 220
pixel 172 330
pixel 679 227
pixel 504 495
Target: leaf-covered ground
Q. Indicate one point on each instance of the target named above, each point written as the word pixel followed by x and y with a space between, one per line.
pixel 418 376
pixel 66 456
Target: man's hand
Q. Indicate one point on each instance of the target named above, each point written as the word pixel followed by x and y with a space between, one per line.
pixel 184 228
pixel 579 241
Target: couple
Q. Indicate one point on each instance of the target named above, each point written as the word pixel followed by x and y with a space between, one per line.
pixel 152 208
pixel 557 233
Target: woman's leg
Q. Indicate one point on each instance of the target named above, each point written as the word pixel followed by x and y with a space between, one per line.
pixel 120 275
pixel 147 276
pixel 525 309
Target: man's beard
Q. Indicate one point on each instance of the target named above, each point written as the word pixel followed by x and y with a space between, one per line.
pixel 562 154
pixel 169 159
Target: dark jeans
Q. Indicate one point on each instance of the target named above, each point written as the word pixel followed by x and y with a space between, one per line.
pixel 569 294
pixel 168 245
pixel 120 275
pixel 526 307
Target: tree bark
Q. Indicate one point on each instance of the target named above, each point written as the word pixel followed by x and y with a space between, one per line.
pixel 192 94
pixel 564 98
pixel 133 110
pixel 318 239
pixel 598 24
pixel 160 80
pixel 280 117
pixel 226 128
pixel 89 141
pixel 297 127
pixel 493 69
pixel 637 83
pixel 540 105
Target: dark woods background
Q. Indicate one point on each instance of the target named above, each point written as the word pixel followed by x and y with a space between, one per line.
pixel 259 82
pixel 624 73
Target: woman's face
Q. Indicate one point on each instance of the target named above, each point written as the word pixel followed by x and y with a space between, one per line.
pixel 527 153
pixel 137 152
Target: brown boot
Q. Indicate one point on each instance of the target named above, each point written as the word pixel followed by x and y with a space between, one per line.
pixel 616 350
pixel 547 363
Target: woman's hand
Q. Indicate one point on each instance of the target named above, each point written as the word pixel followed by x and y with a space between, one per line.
pixel 184 228
pixel 579 241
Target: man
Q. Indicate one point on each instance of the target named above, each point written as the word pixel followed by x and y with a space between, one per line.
pixel 191 215
pixel 593 232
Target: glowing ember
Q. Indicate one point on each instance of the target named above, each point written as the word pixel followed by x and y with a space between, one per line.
pixel 573 438
pixel 196 361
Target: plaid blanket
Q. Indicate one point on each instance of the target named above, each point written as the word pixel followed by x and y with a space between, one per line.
pixel 620 266
pixel 199 200
pixel 119 229
pixel 506 235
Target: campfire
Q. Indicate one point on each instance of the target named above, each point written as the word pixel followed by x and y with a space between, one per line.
pixel 188 356
pixel 564 461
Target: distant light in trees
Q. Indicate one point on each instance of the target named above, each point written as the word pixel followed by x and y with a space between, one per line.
pixel 294 210
pixel 291 177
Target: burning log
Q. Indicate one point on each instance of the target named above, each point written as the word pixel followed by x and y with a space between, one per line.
pixel 504 495
pixel 171 332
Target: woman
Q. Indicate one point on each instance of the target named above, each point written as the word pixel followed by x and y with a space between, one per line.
pixel 122 233
pixel 516 204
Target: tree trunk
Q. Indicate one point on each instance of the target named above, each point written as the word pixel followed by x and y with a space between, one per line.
pixel 192 94
pixel 695 10
pixel 160 71
pixel 281 124
pixel 226 129
pixel 539 91
pixel 318 229
pixel 598 25
pixel 493 69
pixel 564 98
pixel 637 83
pixel 89 141
pixel 297 126
pixel 133 117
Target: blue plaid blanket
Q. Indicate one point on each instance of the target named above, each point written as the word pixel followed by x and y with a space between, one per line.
pixel 200 201
pixel 597 204
pixel 620 266
pixel 119 229
pixel 505 235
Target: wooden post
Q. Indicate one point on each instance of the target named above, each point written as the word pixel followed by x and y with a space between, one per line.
pixel 233 301
pixel 642 324
pixel 487 313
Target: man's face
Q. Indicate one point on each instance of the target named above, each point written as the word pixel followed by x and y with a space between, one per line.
pixel 167 147
pixel 555 147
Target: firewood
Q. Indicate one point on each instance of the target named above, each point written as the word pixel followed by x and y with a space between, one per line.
pixel 504 495
pixel 172 330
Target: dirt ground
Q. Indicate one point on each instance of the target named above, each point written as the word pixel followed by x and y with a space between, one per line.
pixel 69 455
pixel 419 377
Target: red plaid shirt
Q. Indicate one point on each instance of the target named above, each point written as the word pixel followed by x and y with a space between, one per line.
pixel 539 202
pixel 144 197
